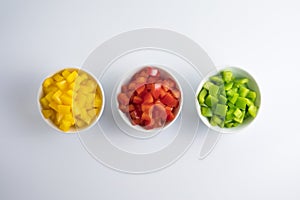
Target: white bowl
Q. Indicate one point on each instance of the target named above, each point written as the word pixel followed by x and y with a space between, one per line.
pixel 137 129
pixel 72 129
pixel 238 72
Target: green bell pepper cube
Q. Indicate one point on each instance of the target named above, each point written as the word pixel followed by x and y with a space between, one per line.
pixel 241 103
pixel 220 110
pixel 206 111
pixel 202 95
pixel 227 76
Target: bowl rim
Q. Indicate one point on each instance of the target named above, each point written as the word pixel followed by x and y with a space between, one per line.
pixel 125 79
pixel 255 87
pixel 72 129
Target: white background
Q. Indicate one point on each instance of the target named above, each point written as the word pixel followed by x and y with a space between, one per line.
pixel 38 38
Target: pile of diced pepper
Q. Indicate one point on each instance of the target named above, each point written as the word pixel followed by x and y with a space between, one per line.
pixel 226 100
pixel 71 98
pixel 151 98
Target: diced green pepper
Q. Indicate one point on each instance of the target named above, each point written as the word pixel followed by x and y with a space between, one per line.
pixel 207 85
pixel 249 102
pixel 252 96
pixel 217 80
pixel 229 125
pixel 241 103
pixel 202 95
pixel 222 90
pixel 230 93
pixel 222 99
pixel 252 110
pixel 221 110
pixel 231 105
pixel 237 113
pixel 227 101
pixel 242 80
pixel 240 119
pixel 234 98
pixel 227 76
pixel 211 101
pixel 206 111
pixel 243 91
pixel 229 114
pixel 216 120
pixel 213 90
pixel 228 86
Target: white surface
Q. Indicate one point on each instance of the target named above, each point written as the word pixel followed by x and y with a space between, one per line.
pixel 38 38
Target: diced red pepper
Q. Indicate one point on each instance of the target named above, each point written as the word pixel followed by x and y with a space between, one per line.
pixel 140 89
pixel 159 112
pixel 153 71
pixel 170 116
pixel 123 99
pixel 148 98
pixel 169 100
pixel 137 100
pixel 131 108
pixel 146 107
pixel 124 88
pixel 123 108
pixel 155 90
pixel 132 86
pixel 176 93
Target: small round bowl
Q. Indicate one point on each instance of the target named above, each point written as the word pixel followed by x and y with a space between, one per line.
pixel 125 116
pixel 239 73
pixel 72 129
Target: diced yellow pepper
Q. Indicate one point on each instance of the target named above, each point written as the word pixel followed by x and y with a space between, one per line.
pixel 66 99
pixel 84 76
pixel 53 105
pixel 48 82
pixel 49 96
pixel 66 73
pixel 76 86
pixel 56 97
pixel 70 93
pixel 85 117
pixel 58 77
pixel 47 113
pixel 65 125
pixel 44 102
pixel 63 109
pixel 76 109
pixel 51 88
pixel 97 101
pixel 90 98
pixel 69 117
pixel 59 117
pixel 92 113
pixel 72 76
pixel 71 98
pixel 62 84
pixel 80 123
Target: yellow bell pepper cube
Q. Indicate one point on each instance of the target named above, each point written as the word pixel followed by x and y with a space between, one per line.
pixel 66 99
pixel 66 73
pixel 47 113
pixel 58 77
pixel 48 82
pixel 65 125
pixel 56 97
pixel 63 109
pixel 62 84
pixel 72 76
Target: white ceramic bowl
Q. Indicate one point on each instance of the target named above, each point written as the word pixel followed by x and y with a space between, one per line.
pixel 72 129
pixel 137 128
pixel 237 72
